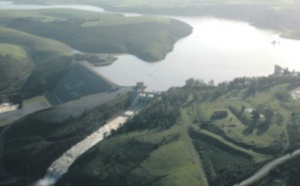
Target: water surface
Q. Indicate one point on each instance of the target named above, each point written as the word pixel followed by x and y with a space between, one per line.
pixel 218 50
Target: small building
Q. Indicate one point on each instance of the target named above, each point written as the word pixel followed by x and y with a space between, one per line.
pixel 8 107
pixel 140 86
pixel 277 70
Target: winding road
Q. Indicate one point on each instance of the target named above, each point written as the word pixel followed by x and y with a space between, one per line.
pixel 268 167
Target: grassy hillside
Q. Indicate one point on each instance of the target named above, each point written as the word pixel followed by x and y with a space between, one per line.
pixel 39 36
pixel 33 143
pixel 15 67
pixel 20 54
pixel 32 43
pixel 149 38
pixel 279 15
pixel 284 175
pixel 224 133
pixel 152 153
pixel 13 50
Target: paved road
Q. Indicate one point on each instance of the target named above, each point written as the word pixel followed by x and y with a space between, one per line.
pixel 26 110
pixel 77 107
pixel 268 167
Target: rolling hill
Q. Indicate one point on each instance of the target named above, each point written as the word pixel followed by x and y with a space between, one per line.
pixel 197 135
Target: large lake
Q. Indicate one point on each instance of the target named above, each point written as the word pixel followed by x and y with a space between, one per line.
pixel 217 49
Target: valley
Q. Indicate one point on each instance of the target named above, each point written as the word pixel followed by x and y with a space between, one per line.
pixel 85 116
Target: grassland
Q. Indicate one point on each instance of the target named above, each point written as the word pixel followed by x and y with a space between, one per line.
pixel 22 53
pixel 149 38
pixel 33 43
pixel 181 141
pixel 33 143
pixel 13 50
pixel 15 67
pixel 284 175
pixel 279 15
pixel 164 158
pixel 236 130
pixel 175 140
pixel 42 38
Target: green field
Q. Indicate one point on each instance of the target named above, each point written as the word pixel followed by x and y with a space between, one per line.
pixel 179 138
pixel 279 15
pixel 33 43
pixel 149 38
pixel 41 41
pixel 33 143
pixel 13 50
pixel 164 158
pixel 20 54
pixel 220 133
pixel 199 132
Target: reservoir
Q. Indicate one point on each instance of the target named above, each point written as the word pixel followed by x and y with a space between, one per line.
pixel 218 50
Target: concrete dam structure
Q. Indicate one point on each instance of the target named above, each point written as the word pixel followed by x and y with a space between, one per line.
pixel 78 82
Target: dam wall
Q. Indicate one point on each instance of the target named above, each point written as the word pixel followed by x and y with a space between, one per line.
pixel 79 81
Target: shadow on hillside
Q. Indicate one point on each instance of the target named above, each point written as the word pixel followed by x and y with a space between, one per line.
pixel 262 129
pixel 249 130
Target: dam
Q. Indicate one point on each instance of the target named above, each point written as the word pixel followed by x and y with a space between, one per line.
pixel 79 81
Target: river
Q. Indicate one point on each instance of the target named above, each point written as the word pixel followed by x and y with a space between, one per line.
pixel 218 50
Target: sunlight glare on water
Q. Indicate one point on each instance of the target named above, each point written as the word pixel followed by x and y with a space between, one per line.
pixel 217 49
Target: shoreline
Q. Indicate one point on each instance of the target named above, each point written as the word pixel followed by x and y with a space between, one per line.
pixel 233 12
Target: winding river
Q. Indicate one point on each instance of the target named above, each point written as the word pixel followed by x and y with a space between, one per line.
pixel 217 49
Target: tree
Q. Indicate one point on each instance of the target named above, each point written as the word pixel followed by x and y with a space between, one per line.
pixel 255 116
pixel 242 110
pixel 269 113
pixel 283 96
pixel 251 89
pixel 190 82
